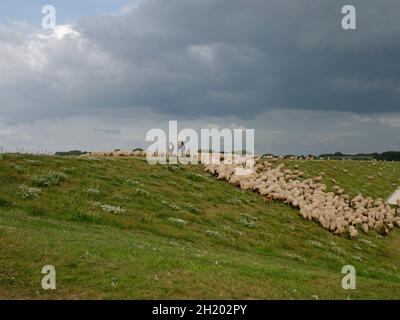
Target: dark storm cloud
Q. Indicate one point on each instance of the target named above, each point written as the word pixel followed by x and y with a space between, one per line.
pixel 244 57
pixel 213 58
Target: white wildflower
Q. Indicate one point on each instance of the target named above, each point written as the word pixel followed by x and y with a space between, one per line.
pixel 26 192
pixel 177 220
pixel 92 191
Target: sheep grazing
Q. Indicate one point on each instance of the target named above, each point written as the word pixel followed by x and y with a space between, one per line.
pixel 119 153
pixel 334 211
pixel 353 232
pixel 318 179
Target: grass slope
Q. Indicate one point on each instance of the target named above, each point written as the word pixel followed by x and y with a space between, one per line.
pixel 179 234
pixel 369 178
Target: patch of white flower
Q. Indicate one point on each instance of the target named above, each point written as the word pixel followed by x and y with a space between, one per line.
pixel 357 257
pixel 112 209
pixel 294 256
pixel 122 197
pixel 217 234
pixel 170 205
pixel 234 201
pixel 338 251
pixel 368 242
pixel 247 220
pixel 177 220
pixel 33 162
pixel 28 193
pixel 49 179
pixel 315 243
pixel 109 208
pixel 133 182
pixel 18 167
pixel 93 191
pixel 142 192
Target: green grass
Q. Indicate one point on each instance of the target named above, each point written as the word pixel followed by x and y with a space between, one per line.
pixel 369 178
pixel 231 245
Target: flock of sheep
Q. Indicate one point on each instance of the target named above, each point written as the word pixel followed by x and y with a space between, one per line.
pixel 117 153
pixel 334 211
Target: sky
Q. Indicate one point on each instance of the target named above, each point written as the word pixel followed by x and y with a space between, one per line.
pixel 113 69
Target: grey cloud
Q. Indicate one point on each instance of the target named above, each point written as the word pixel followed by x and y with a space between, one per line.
pixel 208 58
pixel 264 55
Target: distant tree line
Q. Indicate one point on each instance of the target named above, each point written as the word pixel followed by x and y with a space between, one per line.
pixel 79 152
pixel 70 153
pixel 386 156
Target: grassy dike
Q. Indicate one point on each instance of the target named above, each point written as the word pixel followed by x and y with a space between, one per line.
pixel 118 228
